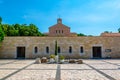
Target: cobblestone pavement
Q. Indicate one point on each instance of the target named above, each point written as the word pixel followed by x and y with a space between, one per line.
pixel 91 69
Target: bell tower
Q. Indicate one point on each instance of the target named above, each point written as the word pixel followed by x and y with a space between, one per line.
pixel 59 20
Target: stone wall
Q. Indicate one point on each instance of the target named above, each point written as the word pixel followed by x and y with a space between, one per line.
pixel 10 44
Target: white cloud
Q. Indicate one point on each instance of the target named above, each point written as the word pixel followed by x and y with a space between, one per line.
pixel 110 4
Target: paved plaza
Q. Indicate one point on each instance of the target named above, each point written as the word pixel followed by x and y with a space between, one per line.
pixel 92 69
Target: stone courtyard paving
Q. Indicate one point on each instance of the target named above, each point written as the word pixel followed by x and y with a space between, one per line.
pixel 92 69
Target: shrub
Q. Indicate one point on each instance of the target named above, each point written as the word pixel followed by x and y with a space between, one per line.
pixel 52 56
pixel 62 57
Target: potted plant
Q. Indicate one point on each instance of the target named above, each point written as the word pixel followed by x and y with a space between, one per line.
pixel 52 58
pixel 62 58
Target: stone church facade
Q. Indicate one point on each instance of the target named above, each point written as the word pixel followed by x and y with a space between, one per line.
pixel 69 46
pixel 60 30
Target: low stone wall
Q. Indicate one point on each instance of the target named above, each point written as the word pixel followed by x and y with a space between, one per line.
pixel 10 44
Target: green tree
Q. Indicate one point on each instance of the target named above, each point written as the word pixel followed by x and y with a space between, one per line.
pixel 56 48
pixel 1 31
pixel 12 31
pixel 0 20
pixel 24 30
pixel 20 29
pixel 107 31
pixel 119 30
pixel 5 29
pixel 34 31
pixel 17 26
pixel 81 34
pixel 90 35
pixel 1 34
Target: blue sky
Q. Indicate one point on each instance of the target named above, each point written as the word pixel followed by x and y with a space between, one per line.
pixel 91 17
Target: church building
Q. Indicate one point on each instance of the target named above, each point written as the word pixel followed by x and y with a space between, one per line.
pixel 69 44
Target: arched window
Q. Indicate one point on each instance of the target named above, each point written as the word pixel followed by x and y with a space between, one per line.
pixel 70 49
pixel 36 50
pixel 59 31
pixel 59 51
pixel 47 49
pixel 56 31
pixel 81 50
pixel 62 31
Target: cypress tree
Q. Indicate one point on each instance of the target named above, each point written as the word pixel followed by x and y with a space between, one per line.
pixel 56 49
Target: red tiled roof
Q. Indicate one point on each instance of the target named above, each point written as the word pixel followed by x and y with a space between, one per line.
pixel 59 25
pixel 110 34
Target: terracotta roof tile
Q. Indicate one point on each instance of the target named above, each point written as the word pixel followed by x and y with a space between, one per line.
pixel 110 34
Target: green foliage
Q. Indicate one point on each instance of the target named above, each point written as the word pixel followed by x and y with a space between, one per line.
pixel 62 57
pixel 81 34
pixel 90 35
pixel 1 31
pixel 21 30
pixel 1 34
pixel 56 48
pixel 107 31
pixel 119 30
pixel 52 56
pixel 0 20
